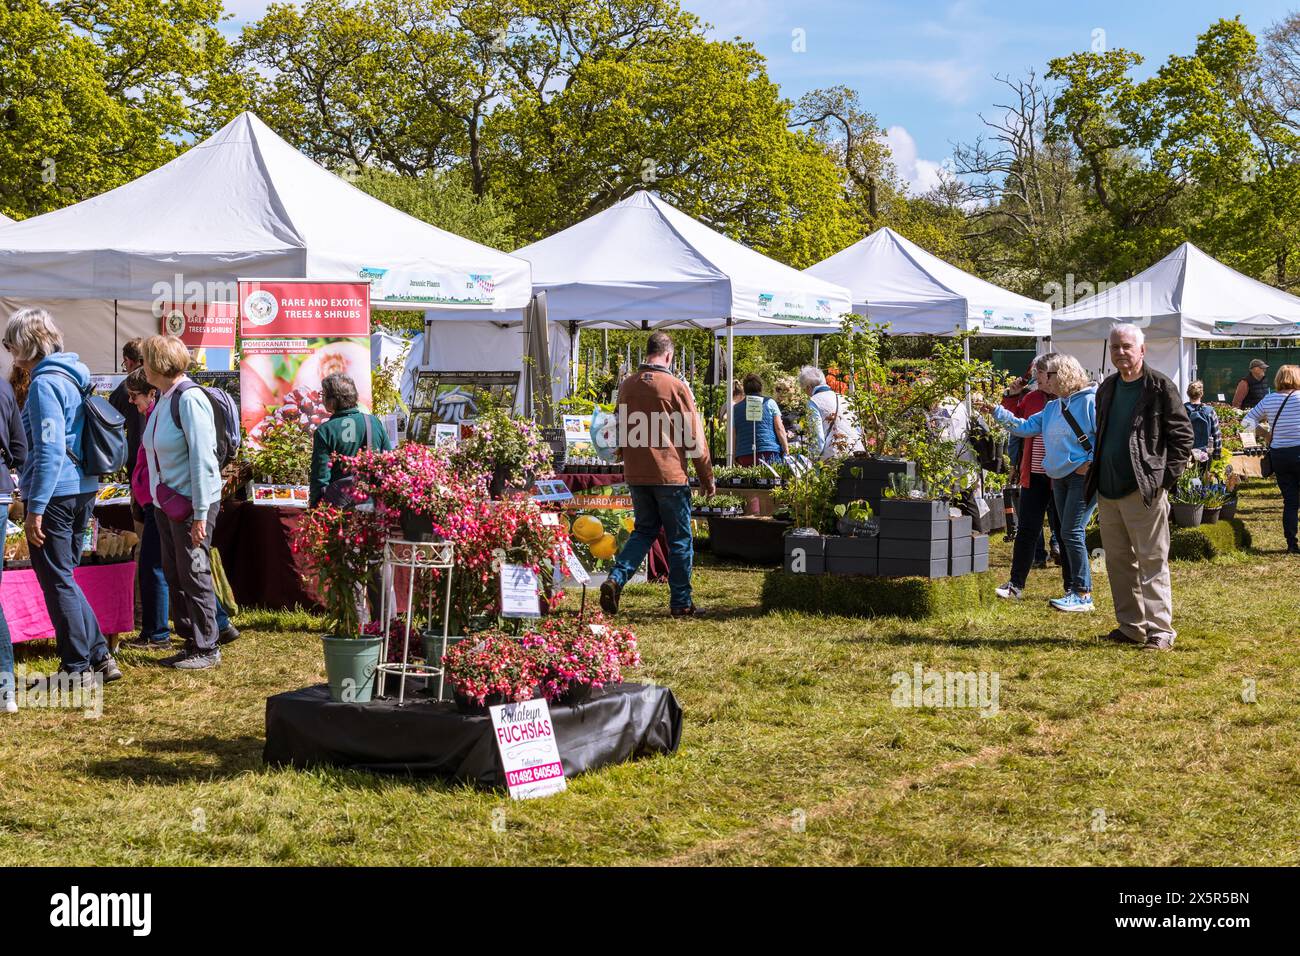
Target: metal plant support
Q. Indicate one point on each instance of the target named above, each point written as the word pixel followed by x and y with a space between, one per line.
pixel 414 557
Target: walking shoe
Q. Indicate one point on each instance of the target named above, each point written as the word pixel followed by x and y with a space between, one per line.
pixel 10 704
pixel 1154 643
pixel 610 591
pixel 1010 592
pixel 175 658
pixel 1039 565
pixel 691 610
pixel 1120 637
pixel 1072 602
pixel 147 644
pixel 199 661
pixel 229 634
pixel 109 669
pixel 1010 535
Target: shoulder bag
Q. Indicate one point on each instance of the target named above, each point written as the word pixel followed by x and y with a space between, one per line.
pixel 1266 462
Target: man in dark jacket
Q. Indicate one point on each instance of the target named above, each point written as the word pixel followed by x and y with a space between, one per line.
pixel 1144 439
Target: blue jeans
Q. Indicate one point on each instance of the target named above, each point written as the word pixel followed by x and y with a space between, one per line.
pixel 1286 469
pixel 655 507
pixel 1074 513
pixel 80 642
pixel 154 596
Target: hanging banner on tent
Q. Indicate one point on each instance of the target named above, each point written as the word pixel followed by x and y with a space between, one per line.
pixel 289 307
pixel 295 333
pixel 200 324
pixel 423 288
pixel 1254 329
pixel 1001 322
pixel 795 305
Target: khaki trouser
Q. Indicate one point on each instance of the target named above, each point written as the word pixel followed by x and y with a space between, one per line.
pixel 1136 541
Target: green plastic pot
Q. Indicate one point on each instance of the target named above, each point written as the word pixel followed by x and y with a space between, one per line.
pixel 350 667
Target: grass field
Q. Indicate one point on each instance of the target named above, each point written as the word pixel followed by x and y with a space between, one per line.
pixel 792 751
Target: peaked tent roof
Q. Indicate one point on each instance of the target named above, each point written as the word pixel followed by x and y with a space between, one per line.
pixel 642 260
pixel 1187 294
pixel 245 203
pixel 894 280
pixel 4 220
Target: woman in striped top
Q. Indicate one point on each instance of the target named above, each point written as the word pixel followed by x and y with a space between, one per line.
pixel 1281 410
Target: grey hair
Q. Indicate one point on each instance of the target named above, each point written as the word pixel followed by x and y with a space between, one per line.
pixel 31 335
pixel 339 390
pixel 1128 328
pixel 810 376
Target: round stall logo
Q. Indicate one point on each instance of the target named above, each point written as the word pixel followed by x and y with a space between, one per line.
pixel 174 323
pixel 261 307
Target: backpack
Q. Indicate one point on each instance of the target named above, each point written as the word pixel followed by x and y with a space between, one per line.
pixel 103 432
pixel 224 415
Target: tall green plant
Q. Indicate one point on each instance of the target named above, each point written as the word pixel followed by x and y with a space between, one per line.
pixel 808 495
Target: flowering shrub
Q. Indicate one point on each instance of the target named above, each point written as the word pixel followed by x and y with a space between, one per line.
pixel 342 549
pixel 512 446
pixel 417 478
pixel 560 653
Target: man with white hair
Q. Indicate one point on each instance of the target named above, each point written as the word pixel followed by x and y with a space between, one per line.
pixel 834 431
pixel 1144 439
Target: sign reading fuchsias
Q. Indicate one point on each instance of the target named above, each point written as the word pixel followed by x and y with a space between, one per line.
pixel 530 757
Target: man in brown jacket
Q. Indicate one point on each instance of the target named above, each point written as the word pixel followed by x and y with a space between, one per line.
pixel 659 428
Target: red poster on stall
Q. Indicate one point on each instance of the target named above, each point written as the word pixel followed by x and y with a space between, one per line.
pixel 201 325
pixel 275 308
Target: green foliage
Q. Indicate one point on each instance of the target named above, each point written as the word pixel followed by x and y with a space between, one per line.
pixel 808 495
pixel 1202 543
pixel 860 596
pixel 284 457
pixel 446 201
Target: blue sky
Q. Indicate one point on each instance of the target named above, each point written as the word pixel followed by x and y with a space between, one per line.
pixel 926 68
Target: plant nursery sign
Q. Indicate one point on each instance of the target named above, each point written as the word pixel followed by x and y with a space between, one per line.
pixel 520 588
pixel 529 754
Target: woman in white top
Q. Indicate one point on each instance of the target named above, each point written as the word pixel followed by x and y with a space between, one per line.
pixel 834 431
pixel 1281 410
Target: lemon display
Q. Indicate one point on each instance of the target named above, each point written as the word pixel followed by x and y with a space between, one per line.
pixel 587 529
pixel 628 522
pixel 603 548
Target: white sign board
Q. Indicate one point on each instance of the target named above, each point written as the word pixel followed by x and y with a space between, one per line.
pixel 753 408
pixel 526 741
pixel 520 588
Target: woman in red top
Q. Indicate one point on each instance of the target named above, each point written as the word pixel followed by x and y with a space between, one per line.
pixel 1035 487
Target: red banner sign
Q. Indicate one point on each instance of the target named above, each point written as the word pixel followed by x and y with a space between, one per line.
pixel 283 307
pixel 201 325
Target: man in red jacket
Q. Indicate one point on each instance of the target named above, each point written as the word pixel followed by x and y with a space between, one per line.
pixel 1035 487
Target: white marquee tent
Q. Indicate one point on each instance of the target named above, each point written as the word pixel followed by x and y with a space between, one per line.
pixel 243 203
pixel 1184 297
pixel 4 220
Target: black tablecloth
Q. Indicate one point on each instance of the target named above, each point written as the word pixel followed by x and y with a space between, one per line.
pixel 304 728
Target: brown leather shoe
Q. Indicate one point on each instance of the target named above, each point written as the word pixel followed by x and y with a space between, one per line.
pixel 690 610
pixel 1120 637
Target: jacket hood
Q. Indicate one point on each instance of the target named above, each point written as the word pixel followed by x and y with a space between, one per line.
pixel 1089 389
pixel 70 362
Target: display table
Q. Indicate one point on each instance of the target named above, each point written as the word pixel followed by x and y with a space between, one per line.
pixel 656 562
pixel 110 589
pixel 304 728
pixel 254 541
pixel 749 539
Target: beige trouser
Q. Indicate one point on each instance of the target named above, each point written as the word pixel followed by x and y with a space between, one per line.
pixel 1136 541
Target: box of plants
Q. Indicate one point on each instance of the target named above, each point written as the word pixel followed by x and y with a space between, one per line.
pixel 716 505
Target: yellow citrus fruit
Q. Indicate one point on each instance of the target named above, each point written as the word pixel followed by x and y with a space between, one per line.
pixel 603 548
pixel 587 529
pixel 628 523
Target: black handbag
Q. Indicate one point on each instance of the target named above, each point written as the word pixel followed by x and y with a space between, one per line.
pixel 1266 462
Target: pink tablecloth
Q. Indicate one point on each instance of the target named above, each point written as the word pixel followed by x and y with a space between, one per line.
pixel 110 589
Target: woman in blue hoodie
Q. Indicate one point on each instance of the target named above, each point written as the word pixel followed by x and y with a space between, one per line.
pixel 57 495
pixel 1068 449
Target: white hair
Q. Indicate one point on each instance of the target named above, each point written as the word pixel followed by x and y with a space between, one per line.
pixel 31 335
pixel 810 377
pixel 1128 329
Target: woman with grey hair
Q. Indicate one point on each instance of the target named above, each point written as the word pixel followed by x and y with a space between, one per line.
pixel 57 494
pixel 348 430
pixel 834 431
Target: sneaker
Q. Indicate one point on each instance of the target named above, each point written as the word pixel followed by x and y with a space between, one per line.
pixel 1154 643
pixel 228 635
pixel 1075 603
pixel 1010 592
pixel 109 669
pixel 199 661
pixel 689 611
pixel 175 658
pixel 148 644
pixel 610 591
pixel 10 704
pixel 1120 637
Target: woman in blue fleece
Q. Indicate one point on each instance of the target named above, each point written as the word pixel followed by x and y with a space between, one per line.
pixel 1066 460
pixel 183 470
pixel 58 497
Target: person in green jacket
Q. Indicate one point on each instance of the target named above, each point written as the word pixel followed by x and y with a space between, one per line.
pixel 344 434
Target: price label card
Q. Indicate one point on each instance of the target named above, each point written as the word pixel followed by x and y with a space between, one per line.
pixel 754 408
pixel 550 518
pixel 576 570
pixel 520 592
pixel 530 756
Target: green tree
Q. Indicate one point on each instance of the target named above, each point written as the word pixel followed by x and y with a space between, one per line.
pixel 93 95
pixel 445 201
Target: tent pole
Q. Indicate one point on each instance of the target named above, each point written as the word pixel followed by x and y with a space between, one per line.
pixel 575 341
pixel 965 351
pixel 817 351
pixel 731 377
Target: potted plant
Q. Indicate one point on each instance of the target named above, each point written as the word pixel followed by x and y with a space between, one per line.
pixel 342 548
pixel 282 454
pixel 494 668
pixel 1212 499
pixel 512 448
pixel 807 496
pixel 1187 500
pixel 855 519
pixel 581 656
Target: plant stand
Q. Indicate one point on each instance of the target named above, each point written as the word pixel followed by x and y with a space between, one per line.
pixel 413 557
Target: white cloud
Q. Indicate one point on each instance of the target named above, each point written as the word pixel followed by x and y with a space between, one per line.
pixel 921 175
